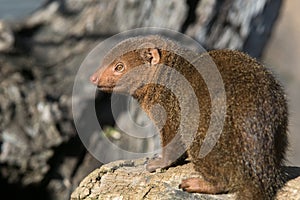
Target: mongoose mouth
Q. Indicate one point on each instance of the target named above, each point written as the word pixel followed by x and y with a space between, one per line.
pixel 104 88
pixel 118 89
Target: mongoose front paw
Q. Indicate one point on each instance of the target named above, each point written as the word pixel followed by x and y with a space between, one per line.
pixel 156 164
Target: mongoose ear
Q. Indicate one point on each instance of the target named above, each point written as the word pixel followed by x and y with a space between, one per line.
pixel 155 56
pixel 151 55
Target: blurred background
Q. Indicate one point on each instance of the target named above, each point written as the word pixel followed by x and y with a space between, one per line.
pixel 17 9
pixel 282 54
pixel 43 43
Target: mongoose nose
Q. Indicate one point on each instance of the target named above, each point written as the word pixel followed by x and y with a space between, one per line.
pixel 94 79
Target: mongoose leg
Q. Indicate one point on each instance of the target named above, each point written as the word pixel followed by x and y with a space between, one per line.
pixel 199 185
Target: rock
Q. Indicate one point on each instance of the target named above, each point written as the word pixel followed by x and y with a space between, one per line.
pixel 128 179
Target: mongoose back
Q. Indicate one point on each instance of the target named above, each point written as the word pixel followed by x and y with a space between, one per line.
pixel 248 156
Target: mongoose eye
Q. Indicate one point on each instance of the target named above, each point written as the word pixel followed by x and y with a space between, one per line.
pixel 119 67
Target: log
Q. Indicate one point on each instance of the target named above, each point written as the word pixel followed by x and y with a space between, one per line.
pixel 128 179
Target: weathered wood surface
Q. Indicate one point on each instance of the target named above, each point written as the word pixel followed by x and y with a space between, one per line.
pixel 128 179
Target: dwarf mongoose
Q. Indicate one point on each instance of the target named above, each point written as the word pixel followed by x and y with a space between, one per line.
pixel 248 157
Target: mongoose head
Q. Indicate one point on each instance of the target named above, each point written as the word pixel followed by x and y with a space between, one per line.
pixel 127 72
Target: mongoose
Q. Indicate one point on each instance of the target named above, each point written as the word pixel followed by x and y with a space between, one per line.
pixel 248 156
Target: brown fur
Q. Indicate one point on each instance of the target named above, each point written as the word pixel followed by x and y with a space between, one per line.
pixel 248 156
